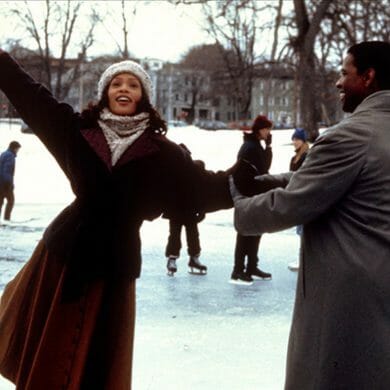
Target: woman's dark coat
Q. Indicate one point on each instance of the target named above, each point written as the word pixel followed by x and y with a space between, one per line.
pixel 96 238
pixel 253 152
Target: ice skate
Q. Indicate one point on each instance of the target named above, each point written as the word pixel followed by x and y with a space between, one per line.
pixel 241 278
pixel 293 266
pixel 196 267
pixel 259 274
pixel 171 266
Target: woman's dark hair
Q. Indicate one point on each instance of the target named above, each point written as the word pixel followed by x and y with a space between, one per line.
pixel 156 123
pixel 261 122
pixel 376 55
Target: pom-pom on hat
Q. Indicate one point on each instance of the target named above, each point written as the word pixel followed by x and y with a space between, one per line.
pixel 125 67
pixel 261 122
pixel 299 133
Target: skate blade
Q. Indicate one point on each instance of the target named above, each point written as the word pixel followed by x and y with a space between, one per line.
pixel 170 273
pixel 240 282
pixel 197 272
pixel 260 278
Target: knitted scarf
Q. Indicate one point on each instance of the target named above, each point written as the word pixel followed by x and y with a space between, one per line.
pixel 121 131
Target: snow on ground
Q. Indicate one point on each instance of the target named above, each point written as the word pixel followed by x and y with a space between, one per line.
pixel 192 332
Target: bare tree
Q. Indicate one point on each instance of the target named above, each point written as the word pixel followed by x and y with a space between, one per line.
pixel 272 59
pixel 205 79
pixel 121 17
pixel 346 22
pixel 59 22
pixel 233 25
pixel 303 43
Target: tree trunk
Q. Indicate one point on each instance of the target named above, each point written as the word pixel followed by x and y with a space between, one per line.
pixel 304 45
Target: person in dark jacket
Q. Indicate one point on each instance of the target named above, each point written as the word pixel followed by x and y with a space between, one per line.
pixel 172 250
pixel 190 224
pixel 301 147
pixel 7 173
pixel 259 158
pixel 67 318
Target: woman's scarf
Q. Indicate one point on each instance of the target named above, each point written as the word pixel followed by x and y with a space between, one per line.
pixel 121 131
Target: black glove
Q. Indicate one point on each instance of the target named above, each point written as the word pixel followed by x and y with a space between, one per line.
pixel 268 140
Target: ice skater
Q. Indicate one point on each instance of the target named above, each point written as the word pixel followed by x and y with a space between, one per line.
pixel 255 155
pixel 7 173
pixel 301 147
pixel 172 251
pixel 190 223
pixel 67 318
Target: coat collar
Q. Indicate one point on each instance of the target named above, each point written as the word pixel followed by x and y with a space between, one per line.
pixel 142 147
pixel 377 100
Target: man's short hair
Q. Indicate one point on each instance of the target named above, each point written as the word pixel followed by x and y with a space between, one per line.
pixel 376 55
pixel 14 145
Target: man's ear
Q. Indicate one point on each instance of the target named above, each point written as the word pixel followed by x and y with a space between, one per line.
pixel 369 77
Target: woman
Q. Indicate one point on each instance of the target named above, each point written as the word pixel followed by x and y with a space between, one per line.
pixel 301 148
pixel 67 318
pixel 259 158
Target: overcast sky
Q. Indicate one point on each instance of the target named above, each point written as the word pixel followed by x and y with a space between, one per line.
pixel 159 29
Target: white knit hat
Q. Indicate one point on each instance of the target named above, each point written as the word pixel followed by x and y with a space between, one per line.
pixel 125 67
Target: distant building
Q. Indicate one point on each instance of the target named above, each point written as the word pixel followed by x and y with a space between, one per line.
pixel 187 94
pixel 183 94
pixel 273 94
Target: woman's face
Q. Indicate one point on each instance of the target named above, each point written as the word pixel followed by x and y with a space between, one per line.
pixel 124 93
pixel 297 143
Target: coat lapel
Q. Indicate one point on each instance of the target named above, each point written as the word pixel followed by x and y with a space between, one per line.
pixel 142 147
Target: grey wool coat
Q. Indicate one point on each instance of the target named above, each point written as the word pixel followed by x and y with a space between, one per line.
pixel 340 334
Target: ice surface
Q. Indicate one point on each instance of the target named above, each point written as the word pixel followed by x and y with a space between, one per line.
pixel 192 332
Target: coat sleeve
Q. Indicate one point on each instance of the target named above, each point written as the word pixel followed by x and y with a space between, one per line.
pixel 50 120
pixel 192 190
pixel 330 169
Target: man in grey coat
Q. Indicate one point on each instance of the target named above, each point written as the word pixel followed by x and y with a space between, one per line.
pixel 340 334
